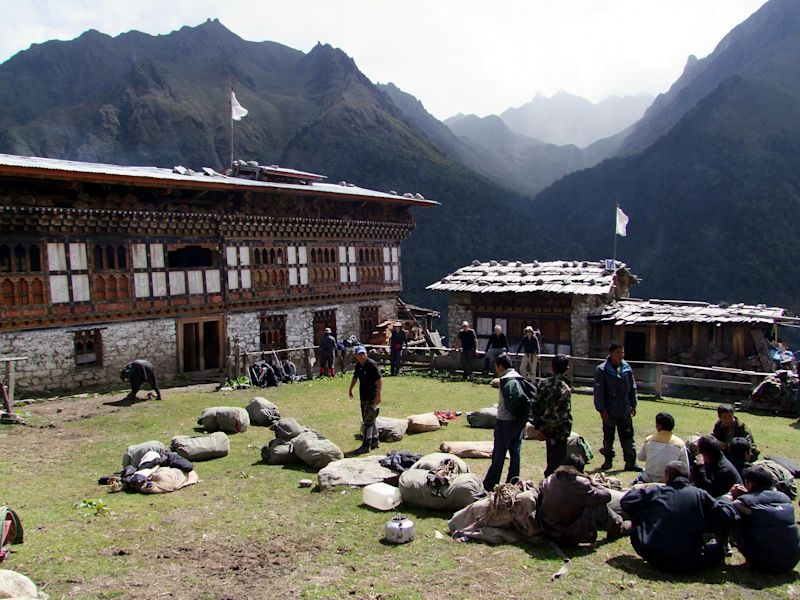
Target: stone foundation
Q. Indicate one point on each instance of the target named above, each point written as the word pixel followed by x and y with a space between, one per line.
pixel 51 363
pixel 51 366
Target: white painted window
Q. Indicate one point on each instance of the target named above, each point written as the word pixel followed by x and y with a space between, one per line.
pixel 159 283
pixel 59 289
pixel 237 259
pixel 139 254
pixel 157 256
pixel 77 257
pixel 68 265
pixel 297 260
pixel 347 264
pixel 177 283
pixel 391 264
pixel 141 285
pixel 56 257
pixel 195 281
pixel 231 256
pixel 212 281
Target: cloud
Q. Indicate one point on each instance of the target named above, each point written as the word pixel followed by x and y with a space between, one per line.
pixel 456 56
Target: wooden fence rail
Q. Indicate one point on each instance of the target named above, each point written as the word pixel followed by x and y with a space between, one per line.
pixel 654 377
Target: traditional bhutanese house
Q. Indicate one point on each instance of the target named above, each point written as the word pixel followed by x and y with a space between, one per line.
pixel 697 333
pixel 554 296
pixel 102 264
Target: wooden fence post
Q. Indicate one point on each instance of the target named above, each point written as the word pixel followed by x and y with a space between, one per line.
pixel 307 361
pixel 236 359
pixel 659 380
pixel 10 377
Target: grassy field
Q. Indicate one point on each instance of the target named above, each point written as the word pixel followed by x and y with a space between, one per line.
pixel 248 531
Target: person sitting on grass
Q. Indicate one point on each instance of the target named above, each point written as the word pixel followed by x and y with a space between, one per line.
pixel 572 507
pixel 661 448
pixel 673 525
pixel 728 427
pixel 712 471
pixel 762 523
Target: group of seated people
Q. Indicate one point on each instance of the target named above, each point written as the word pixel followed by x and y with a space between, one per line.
pixel 689 506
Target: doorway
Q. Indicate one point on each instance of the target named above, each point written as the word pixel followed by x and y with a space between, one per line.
pixel 200 345
pixel 635 345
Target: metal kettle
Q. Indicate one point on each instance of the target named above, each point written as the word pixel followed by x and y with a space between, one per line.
pixel 400 530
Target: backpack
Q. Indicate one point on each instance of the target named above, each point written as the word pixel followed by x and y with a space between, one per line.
pixel 522 408
pixel 10 531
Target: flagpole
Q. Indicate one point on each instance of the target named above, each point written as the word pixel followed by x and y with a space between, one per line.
pixel 616 212
pixel 230 112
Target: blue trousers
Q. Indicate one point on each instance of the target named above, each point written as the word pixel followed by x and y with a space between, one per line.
pixel 507 438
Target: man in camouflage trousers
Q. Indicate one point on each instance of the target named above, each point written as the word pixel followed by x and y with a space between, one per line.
pixel 553 413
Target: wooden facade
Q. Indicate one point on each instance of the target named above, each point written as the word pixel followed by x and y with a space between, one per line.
pixel 86 246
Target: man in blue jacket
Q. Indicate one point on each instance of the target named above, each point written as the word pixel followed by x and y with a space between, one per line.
pixel 762 523
pixel 615 400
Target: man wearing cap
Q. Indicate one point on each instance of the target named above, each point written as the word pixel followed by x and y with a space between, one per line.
pixel 327 351
pixel 468 340
pixel 397 342
pixel 370 383
pixel 531 348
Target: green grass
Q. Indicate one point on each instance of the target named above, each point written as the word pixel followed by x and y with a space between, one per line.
pixel 248 531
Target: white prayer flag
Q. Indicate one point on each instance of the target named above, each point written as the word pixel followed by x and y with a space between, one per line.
pixel 622 222
pixel 237 110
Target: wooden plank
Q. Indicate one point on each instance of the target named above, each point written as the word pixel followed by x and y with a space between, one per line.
pixel 707 383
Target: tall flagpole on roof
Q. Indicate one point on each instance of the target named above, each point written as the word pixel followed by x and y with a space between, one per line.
pixel 230 111
pixel 616 212
pixel 237 113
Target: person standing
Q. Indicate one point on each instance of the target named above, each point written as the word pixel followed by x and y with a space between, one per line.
pixel 468 340
pixel 370 384
pixel 327 352
pixel 552 413
pixel 495 346
pixel 512 414
pixel 615 400
pixel 531 348
pixel 137 372
pixel 397 343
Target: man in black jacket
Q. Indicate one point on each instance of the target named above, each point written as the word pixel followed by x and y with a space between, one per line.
pixel 672 522
pixel 495 346
pixel 762 523
pixel 397 343
pixel 712 471
pixel 615 400
pixel 137 372
pixel 531 349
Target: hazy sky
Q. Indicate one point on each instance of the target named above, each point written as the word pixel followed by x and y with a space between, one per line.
pixel 454 55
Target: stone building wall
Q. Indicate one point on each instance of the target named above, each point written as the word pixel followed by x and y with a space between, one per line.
pixel 51 366
pixel 51 356
pixel 580 328
pixel 246 327
pixel 457 313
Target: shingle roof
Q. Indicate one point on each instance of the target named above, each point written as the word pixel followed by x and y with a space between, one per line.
pixel 590 278
pixel 630 311
pixel 38 167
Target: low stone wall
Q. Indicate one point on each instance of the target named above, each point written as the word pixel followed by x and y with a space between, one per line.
pixel 51 363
